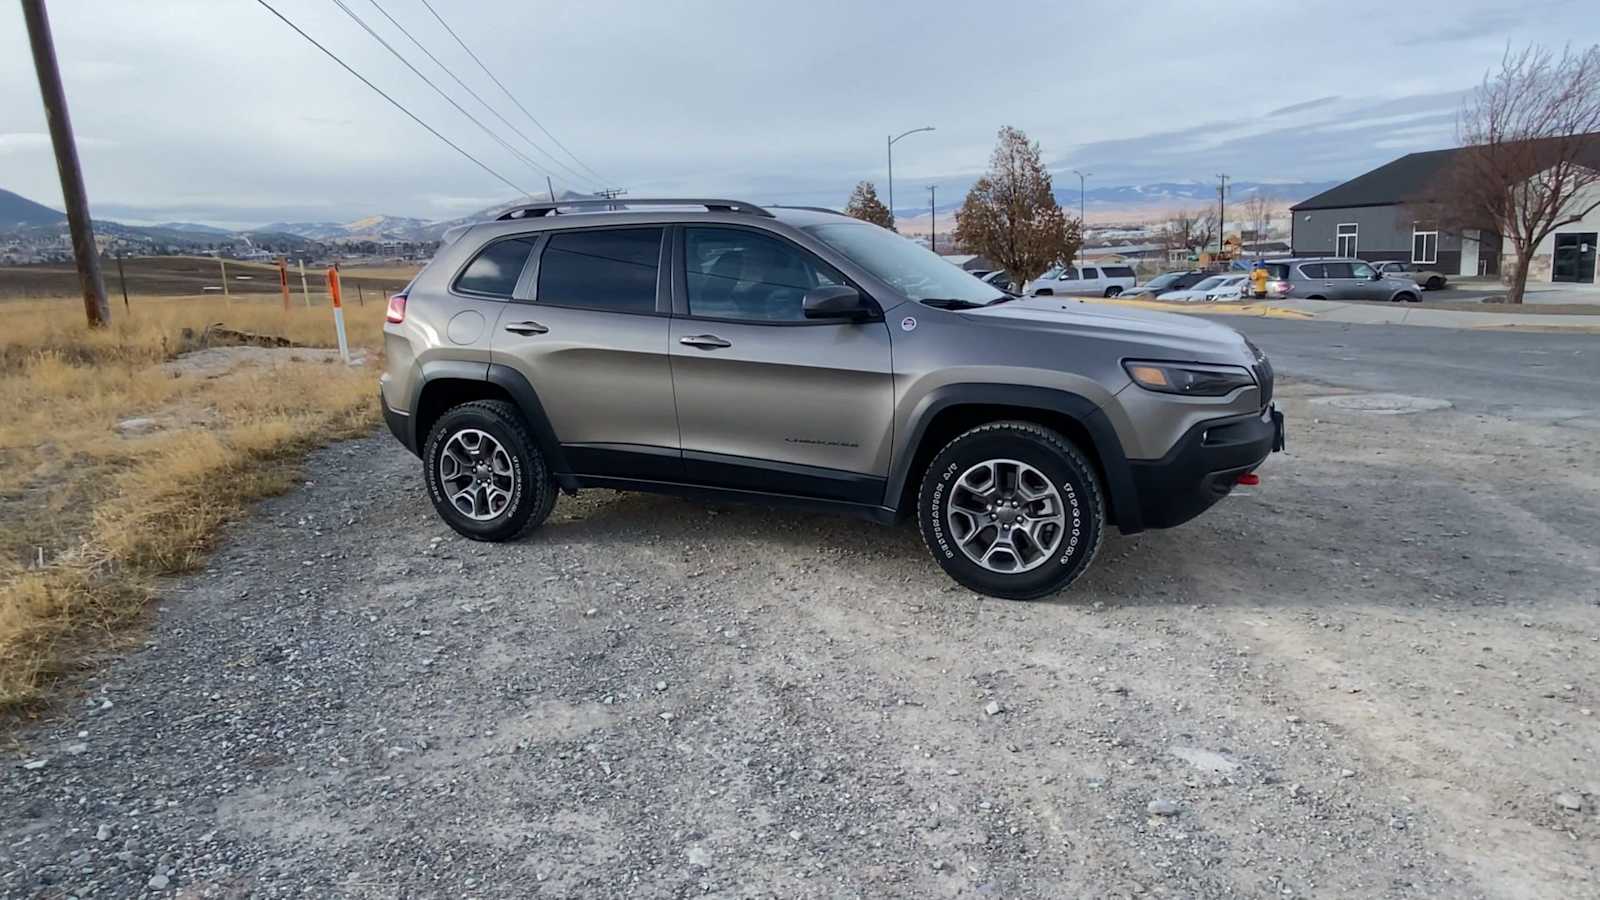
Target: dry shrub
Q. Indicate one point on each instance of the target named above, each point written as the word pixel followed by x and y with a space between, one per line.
pixel 110 513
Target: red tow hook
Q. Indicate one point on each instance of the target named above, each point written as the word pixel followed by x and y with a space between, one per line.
pixel 1249 478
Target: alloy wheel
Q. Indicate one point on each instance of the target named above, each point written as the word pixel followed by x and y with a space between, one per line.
pixel 1005 515
pixel 477 475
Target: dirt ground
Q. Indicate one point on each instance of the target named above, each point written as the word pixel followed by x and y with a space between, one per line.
pixel 1372 676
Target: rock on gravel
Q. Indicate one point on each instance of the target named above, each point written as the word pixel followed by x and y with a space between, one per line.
pixel 1161 808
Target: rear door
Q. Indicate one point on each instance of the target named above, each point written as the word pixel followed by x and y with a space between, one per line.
pixel 767 399
pixel 1089 281
pixel 589 329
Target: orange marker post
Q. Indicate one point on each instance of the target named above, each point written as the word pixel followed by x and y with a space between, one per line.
pixel 338 312
pixel 283 281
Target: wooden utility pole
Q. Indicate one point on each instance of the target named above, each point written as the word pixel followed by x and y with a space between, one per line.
pixel 123 278
pixel 72 191
pixel 933 222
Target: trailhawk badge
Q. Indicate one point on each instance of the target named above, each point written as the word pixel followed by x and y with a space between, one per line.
pixel 909 323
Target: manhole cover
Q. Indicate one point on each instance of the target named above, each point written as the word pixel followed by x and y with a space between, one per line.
pixel 1383 404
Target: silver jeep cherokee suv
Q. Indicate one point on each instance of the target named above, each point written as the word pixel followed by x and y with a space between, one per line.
pixel 788 356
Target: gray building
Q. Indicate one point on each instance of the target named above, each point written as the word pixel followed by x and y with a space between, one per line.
pixel 1367 218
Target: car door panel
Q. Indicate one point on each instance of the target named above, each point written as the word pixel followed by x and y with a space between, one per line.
pixel 778 403
pixel 603 376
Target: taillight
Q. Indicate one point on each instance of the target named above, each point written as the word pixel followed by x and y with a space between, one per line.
pixel 397 310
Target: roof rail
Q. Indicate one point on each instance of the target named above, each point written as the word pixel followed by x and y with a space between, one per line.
pixel 536 210
pixel 821 209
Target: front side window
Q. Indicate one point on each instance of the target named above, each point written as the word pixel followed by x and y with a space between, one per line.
pixel 495 270
pixel 1425 247
pixel 737 274
pixel 1361 270
pixel 610 269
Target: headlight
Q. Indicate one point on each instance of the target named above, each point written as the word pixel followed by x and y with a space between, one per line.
pixel 1189 379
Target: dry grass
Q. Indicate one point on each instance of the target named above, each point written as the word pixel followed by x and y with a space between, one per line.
pixel 106 514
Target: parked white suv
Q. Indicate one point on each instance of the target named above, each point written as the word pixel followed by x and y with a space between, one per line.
pixel 1099 281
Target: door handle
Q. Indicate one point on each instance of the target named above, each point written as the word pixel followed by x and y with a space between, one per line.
pixel 704 341
pixel 526 328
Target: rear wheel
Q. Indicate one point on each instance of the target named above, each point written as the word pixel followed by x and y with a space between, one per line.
pixel 1436 283
pixel 1316 297
pixel 1044 292
pixel 1012 510
pixel 1113 291
pixel 485 475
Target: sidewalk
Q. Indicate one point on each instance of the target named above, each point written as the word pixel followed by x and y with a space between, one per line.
pixel 1373 314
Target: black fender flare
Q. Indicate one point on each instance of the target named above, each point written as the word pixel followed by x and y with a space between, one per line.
pixel 522 393
pixel 1119 483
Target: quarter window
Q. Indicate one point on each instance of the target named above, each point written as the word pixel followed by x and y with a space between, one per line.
pixel 611 269
pixel 495 270
pixel 1425 246
pixel 1346 240
pixel 737 274
pixel 1118 272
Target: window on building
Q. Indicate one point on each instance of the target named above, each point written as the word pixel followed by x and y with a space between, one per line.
pixel 610 269
pixel 1345 240
pixel 1425 246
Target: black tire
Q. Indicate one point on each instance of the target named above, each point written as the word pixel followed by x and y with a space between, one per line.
pixel 1436 283
pixel 1044 292
pixel 1113 291
pixel 1058 460
pixel 1316 297
pixel 1408 297
pixel 533 490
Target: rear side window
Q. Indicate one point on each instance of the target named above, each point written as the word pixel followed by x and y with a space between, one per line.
pixel 1089 272
pixel 1314 270
pixel 495 270
pixel 1339 270
pixel 611 269
pixel 1118 272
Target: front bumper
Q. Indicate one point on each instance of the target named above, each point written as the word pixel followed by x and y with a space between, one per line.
pixel 1203 466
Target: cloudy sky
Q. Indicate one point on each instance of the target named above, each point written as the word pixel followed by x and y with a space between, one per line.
pixel 214 110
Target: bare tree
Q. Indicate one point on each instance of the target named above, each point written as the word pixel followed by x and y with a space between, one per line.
pixel 865 205
pixel 1190 231
pixel 1258 211
pixel 1529 161
pixel 1011 215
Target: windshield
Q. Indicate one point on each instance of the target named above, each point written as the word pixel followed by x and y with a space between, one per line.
pixel 1161 281
pixel 1211 282
pixel 918 273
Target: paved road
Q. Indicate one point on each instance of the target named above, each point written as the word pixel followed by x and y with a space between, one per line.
pixel 1545 377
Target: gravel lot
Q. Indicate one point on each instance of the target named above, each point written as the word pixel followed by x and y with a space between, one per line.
pixel 1374 676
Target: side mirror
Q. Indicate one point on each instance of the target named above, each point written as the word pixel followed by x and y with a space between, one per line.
pixel 835 301
pixel 1376 275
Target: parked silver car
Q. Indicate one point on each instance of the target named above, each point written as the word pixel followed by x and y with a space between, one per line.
pixel 792 357
pixel 1337 279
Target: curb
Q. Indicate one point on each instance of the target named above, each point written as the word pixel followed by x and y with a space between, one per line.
pixel 1216 309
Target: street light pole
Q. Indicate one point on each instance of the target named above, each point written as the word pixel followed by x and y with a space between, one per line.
pixel 1082 177
pixel 890 147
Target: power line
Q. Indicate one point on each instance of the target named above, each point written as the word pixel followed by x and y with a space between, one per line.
pixel 507 92
pixel 431 130
pixel 440 91
pixel 578 177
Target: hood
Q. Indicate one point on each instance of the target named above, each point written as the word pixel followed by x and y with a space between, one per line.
pixel 1178 337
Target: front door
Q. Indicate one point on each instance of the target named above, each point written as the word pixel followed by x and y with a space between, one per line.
pixel 767 399
pixel 1574 257
pixel 589 332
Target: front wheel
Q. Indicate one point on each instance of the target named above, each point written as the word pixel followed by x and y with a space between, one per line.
pixel 1012 510
pixel 1408 297
pixel 485 475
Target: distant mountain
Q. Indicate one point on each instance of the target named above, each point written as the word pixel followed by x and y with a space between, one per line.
pixel 1172 195
pixel 193 228
pixel 17 211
